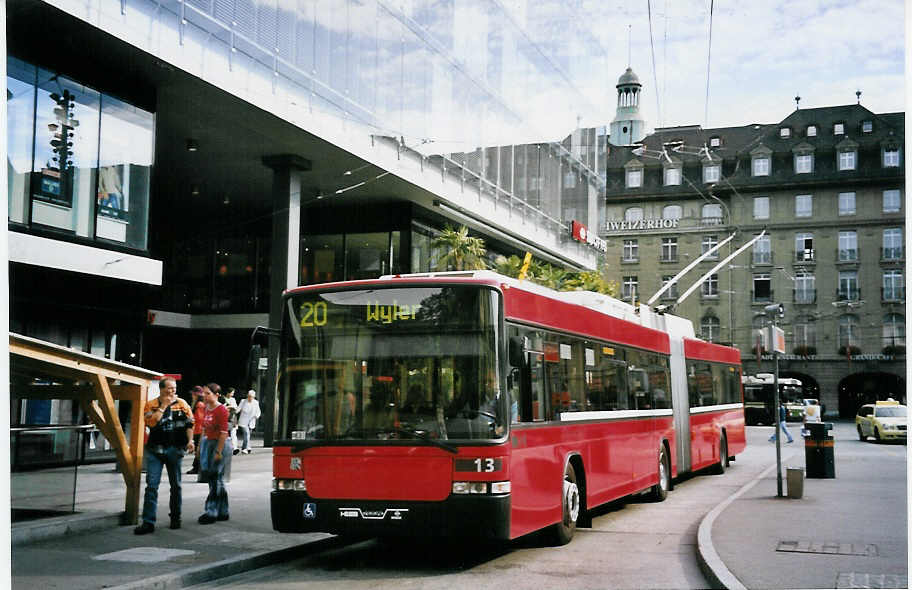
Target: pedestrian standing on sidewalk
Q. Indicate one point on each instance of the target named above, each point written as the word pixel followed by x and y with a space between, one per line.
pixel 231 404
pixel 196 402
pixel 214 456
pixel 170 423
pixel 782 415
pixel 248 412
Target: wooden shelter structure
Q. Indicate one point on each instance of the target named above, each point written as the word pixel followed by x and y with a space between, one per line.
pixel 42 370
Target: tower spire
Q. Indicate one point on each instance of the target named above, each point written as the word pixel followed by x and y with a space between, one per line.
pixel 628 45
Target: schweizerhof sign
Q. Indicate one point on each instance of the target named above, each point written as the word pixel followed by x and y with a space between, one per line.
pixel 640 224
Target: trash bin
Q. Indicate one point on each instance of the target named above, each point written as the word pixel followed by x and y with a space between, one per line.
pixel 794 476
pixel 818 451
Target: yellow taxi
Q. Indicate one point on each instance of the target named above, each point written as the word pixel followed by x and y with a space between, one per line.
pixel 884 420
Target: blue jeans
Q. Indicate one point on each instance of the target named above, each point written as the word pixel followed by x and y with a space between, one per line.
pixel 784 429
pixel 217 500
pixel 170 459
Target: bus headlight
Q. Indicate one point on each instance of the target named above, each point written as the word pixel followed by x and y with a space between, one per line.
pixel 298 485
pixel 481 487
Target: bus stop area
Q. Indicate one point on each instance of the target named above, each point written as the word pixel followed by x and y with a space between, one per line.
pixel 739 540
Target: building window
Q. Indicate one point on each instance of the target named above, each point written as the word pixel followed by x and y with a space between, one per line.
pixel 892 244
pixel 847 203
pixel 804 247
pixel 633 214
pixel 711 172
pixel 848 286
pixel 812 131
pixel 891 201
pixel 891 157
pixel 711 214
pixel 867 126
pixel 669 250
pixel 630 287
pixel 805 291
pixel 672 212
pixel 672 176
pixel 715 142
pixel 804 205
pixel 763 289
pixel 634 178
pixel 848 246
pixel 672 292
pixel 97 189
pixel 710 287
pixel 893 285
pixel 894 333
pixel 804 163
pixel 710 329
pixel 762 253
pixel 785 132
pixel 805 335
pixel 707 244
pixel 847 160
pixel 761 166
pixel 761 207
pixel 847 338
pixel 631 251
pixel 839 129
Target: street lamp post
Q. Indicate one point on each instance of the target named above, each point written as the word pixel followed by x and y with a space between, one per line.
pixel 776 311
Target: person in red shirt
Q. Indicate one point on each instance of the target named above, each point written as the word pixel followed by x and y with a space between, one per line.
pixel 214 455
pixel 199 410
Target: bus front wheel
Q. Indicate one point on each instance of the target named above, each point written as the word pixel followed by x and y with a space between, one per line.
pixel 570 507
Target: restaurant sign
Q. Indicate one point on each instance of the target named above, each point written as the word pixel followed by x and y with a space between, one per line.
pixel 581 233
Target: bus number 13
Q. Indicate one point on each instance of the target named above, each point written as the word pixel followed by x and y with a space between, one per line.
pixel 486 465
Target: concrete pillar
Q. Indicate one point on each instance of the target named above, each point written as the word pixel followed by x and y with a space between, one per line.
pixel 284 265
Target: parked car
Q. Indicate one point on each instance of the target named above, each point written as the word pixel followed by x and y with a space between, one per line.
pixel 884 420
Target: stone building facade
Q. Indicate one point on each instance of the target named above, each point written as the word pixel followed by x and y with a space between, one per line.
pixel 826 187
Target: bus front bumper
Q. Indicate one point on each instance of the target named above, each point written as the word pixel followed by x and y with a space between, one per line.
pixel 478 516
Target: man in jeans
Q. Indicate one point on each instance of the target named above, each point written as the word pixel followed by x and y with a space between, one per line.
pixel 170 423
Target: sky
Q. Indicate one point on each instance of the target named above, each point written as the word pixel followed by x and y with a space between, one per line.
pixel 763 54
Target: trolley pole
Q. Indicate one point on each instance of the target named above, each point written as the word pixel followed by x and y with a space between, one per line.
pixel 777 343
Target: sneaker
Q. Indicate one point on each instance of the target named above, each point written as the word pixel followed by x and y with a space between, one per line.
pixel 236 452
pixel 791 441
pixel 144 529
pixel 221 517
pixel 175 523
pixel 205 519
pixel 193 472
pixel 246 451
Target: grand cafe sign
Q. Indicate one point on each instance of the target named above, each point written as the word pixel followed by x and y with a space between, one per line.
pixel 640 224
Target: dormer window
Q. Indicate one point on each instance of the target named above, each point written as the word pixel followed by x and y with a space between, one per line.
pixel 867 126
pixel 672 176
pixel 711 172
pixel 804 163
pixel 812 131
pixel 839 129
pixel 891 157
pixel 635 178
pixel 785 132
pixel 715 141
pixel 847 160
pixel 761 166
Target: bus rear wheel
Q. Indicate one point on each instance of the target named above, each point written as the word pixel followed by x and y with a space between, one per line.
pixel 570 508
pixel 659 491
pixel 720 467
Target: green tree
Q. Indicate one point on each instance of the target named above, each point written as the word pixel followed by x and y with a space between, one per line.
pixel 508 266
pixel 461 251
pixel 549 276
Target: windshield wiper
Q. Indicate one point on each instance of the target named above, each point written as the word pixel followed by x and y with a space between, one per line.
pixel 423 435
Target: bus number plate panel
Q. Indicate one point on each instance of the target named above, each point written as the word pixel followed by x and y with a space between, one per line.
pixel 479 465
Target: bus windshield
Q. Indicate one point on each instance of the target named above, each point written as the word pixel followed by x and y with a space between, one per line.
pixel 393 363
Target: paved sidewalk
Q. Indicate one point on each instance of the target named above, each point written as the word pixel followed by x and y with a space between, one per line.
pixel 847 532
pixel 112 556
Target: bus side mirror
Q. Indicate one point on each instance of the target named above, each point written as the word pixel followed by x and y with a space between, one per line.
pixel 516 356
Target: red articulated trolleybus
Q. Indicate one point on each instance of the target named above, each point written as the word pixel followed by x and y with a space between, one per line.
pixel 471 404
